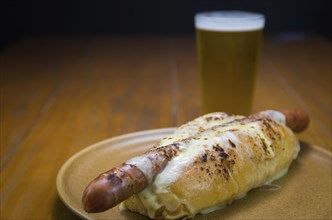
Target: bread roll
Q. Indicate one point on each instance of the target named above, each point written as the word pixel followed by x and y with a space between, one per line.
pixel 219 159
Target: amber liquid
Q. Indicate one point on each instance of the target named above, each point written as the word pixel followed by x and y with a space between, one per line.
pixel 228 64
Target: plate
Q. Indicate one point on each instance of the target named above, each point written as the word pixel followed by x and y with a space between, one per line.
pixel 304 193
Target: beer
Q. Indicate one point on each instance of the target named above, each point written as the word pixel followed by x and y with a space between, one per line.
pixel 228 58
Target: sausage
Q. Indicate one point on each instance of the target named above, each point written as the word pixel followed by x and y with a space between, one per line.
pixel 296 119
pixel 118 184
pixel 112 187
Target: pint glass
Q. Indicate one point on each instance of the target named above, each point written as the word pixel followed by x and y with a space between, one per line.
pixel 228 45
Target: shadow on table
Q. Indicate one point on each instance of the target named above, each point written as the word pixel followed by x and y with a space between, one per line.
pixel 60 211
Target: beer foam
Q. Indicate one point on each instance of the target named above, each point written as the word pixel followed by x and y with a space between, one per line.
pixel 229 21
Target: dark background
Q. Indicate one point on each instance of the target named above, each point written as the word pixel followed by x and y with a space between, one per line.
pixel 87 17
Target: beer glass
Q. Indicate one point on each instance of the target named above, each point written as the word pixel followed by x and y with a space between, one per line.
pixel 228 45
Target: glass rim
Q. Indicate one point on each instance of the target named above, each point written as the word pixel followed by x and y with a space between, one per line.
pixel 229 20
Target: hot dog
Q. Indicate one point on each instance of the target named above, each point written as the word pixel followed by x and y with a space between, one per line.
pixel 130 178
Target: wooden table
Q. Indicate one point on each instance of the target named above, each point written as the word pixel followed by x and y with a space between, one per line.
pixel 61 94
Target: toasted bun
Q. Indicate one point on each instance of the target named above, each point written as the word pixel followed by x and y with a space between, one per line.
pixel 216 167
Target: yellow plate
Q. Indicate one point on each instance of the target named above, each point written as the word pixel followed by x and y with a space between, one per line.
pixel 304 193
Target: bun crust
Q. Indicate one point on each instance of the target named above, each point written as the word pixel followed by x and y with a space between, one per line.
pixel 217 166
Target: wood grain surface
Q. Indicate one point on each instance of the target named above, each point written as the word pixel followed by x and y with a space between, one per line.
pixel 61 94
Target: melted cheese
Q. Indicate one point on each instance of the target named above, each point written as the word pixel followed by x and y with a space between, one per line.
pixel 144 164
pixel 273 115
pixel 185 131
pixel 198 125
